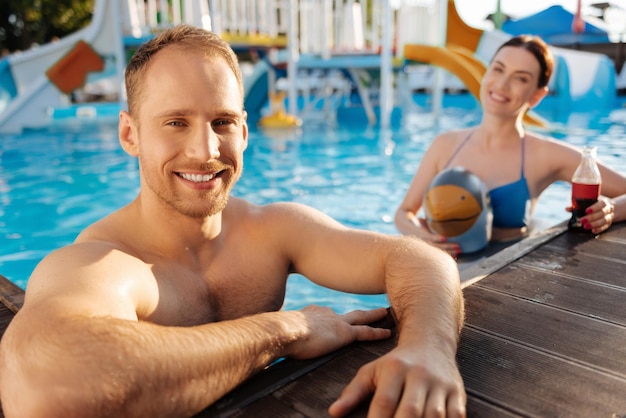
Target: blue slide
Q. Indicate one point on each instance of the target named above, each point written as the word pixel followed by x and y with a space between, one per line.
pixel 256 90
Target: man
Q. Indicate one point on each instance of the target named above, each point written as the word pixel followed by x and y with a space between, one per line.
pixel 167 304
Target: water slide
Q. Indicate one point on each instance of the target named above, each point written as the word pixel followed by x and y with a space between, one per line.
pixel 581 80
pixel 28 95
pixel 256 86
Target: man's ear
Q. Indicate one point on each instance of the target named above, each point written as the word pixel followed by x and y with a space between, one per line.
pixel 128 134
pixel 245 128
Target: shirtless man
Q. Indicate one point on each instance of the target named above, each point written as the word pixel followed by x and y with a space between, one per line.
pixel 169 303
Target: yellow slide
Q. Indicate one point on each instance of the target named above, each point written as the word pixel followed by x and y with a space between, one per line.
pixel 465 66
pixel 458 56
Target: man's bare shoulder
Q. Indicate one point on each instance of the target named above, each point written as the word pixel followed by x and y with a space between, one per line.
pixel 114 230
pixel 99 268
pixel 274 214
pixel 93 278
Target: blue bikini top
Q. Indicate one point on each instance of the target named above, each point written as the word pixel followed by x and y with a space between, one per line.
pixel 510 203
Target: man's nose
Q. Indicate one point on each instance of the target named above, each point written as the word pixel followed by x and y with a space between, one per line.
pixel 205 145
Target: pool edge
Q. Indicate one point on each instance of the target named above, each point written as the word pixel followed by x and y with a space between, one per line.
pixel 11 295
pixel 484 267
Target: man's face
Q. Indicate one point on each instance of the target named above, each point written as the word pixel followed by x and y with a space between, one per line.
pixel 190 132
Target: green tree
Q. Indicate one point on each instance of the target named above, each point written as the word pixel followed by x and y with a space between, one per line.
pixel 24 23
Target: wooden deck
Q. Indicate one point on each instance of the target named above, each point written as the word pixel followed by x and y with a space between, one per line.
pixel 545 336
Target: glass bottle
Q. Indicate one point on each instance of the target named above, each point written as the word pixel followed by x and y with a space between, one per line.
pixel 586 183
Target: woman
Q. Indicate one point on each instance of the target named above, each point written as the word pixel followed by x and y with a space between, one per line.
pixel 515 165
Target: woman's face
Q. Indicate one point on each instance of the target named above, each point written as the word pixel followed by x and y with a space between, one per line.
pixel 509 86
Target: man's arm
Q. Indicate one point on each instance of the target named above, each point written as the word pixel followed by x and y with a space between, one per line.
pixel 420 375
pixel 77 349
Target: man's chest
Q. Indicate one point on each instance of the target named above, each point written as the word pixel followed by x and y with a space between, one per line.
pixel 192 297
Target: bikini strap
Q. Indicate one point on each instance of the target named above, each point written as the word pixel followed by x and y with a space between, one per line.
pixel 523 153
pixel 456 151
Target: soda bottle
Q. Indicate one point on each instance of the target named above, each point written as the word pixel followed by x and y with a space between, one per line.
pixel 585 187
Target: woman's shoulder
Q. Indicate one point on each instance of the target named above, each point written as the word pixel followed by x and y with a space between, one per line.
pixel 551 155
pixel 455 134
pixel 547 143
pixel 451 138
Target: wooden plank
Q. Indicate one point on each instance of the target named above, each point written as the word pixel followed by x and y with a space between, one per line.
pixel 528 382
pixel 558 332
pixel 313 393
pixel 607 247
pixel 588 297
pixel 264 384
pixel 11 295
pixel 594 268
pixel 480 408
pixel 307 393
pixel 266 407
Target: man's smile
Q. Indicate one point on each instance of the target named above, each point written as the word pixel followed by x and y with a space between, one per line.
pixel 198 178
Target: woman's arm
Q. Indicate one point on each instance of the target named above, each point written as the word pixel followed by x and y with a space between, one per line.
pixel 406 217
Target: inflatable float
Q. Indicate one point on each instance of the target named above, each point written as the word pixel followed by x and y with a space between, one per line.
pixel 278 117
pixel 456 205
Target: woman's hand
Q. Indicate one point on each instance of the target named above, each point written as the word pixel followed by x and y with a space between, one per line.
pixel 437 240
pixel 599 216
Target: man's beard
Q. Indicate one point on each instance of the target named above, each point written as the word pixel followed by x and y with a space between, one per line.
pixel 208 203
pixel 213 206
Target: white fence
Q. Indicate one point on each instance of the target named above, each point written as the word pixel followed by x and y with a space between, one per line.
pixel 323 26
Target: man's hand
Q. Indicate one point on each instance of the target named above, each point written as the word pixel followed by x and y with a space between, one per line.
pixel 406 382
pixel 328 331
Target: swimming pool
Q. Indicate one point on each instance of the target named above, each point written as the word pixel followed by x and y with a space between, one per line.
pixel 55 182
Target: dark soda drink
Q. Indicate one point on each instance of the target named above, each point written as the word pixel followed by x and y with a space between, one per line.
pixel 585 188
pixel 583 196
pixel 581 205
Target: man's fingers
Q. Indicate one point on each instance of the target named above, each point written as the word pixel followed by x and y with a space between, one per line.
pixel 367 333
pixel 387 395
pixel 354 393
pixel 360 317
pixel 414 401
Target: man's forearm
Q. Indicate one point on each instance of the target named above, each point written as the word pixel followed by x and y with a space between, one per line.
pixel 427 300
pixel 112 367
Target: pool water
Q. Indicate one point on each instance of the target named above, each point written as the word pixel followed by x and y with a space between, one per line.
pixel 55 182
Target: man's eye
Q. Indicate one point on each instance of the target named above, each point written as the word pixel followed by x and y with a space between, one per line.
pixel 175 123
